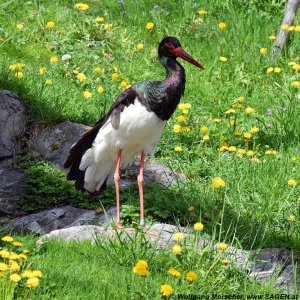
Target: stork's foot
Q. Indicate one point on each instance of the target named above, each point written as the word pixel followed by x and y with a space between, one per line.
pixel 142 229
pixel 118 226
pixel 147 231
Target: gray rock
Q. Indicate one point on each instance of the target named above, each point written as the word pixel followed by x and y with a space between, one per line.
pixel 277 264
pixel 11 191
pixel 153 172
pixel 53 143
pixel 12 123
pixel 57 218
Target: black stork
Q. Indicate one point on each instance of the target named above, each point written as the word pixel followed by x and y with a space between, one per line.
pixel 132 126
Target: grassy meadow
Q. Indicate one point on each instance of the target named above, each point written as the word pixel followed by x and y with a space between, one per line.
pixel 235 136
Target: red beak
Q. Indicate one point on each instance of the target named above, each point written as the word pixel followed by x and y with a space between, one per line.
pixel 179 52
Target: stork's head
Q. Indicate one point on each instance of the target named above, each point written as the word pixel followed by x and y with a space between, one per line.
pixel 170 47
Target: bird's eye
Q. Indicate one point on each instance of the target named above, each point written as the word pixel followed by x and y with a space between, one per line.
pixel 170 46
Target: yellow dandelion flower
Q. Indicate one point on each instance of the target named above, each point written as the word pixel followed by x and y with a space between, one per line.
pixel 141 268
pixel 291 28
pixel 26 251
pixel 206 138
pixel 237 133
pixel 107 27
pixel 272 37
pixel 174 272
pixel 115 76
pixel 277 70
pixel 181 118
pixel 225 262
pixel 128 86
pixel 32 282
pixel 191 276
pixel 42 71
pixel 176 128
pixel 50 24
pixel 166 290
pixel 291 218
pixel 37 273
pixel 17 244
pixel 123 83
pixel 3 267
pixel 229 111
pixel 232 149
pixel 285 27
pixel 15 277
pixel 223 58
pixel 75 72
pixel 204 129
pixel 222 246
pixel 149 25
pixel 4 254
pixel 198 226
pixel 177 249
pixel 100 89
pixel 241 98
pixel 216 120
pixel 53 59
pixel 48 82
pixel 23 256
pixel 14 266
pixel 222 25
pixel 269 70
pixel 191 209
pixel 7 238
pixel 140 46
pixel 296 67
pixel 27 274
pixel 177 149
pixel 81 6
pixel 249 110
pixel 185 111
pixel 263 51
pixel 97 70
pixel 250 153
pixel 296 84
pixel 202 12
pixel 178 236
pixel 232 122
pixel 255 159
pixel 16 67
pixel 297 28
pixel 217 182
pixel 100 20
pixel 81 77
pixel 20 26
pixel 254 129
pixel 185 129
pixel 19 75
pixel 292 182
pixel 184 106
pixel 87 94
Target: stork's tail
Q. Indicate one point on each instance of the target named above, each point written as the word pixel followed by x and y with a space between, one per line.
pixel 80 149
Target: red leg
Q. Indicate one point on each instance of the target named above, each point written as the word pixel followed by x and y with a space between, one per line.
pixel 140 180
pixel 117 184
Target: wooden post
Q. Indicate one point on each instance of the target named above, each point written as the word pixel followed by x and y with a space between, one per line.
pixel 289 15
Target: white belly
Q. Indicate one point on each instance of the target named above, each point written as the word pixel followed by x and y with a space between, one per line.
pixel 139 131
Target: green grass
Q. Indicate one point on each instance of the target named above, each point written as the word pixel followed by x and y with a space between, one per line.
pixel 256 206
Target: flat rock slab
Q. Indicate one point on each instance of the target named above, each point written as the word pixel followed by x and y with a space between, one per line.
pixel 265 264
pixel 53 144
pixel 11 191
pixel 12 123
pixel 57 218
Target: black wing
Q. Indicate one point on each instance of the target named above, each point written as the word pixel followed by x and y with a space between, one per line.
pixel 86 140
